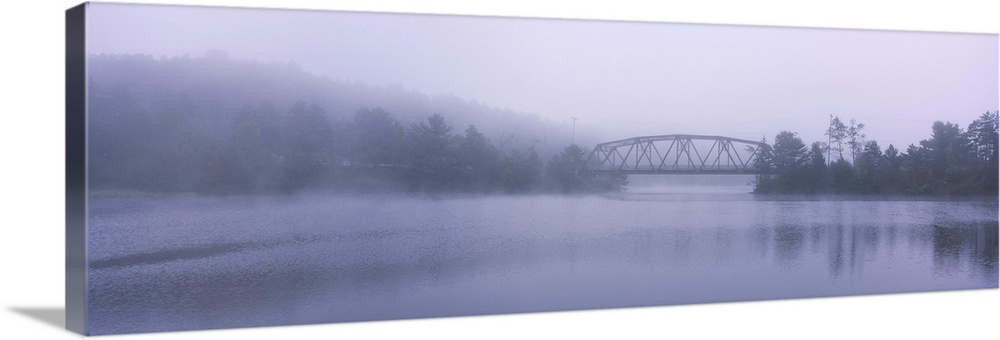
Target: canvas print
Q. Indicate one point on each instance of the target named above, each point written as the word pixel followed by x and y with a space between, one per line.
pixel 237 167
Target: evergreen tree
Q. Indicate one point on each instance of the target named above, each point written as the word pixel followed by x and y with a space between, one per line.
pixel 376 139
pixel 982 133
pixel 947 156
pixel 982 136
pixel 817 179
pixel 433 163
pixel 521 172
pixel 250 162
pixel 478 162
pixel 869 169
pixel 842 177
pixel 892 171
pixel 307 147
pixel 789 157
pixel 566 171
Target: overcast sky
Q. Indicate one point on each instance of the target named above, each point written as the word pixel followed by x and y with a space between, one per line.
pixel 619 79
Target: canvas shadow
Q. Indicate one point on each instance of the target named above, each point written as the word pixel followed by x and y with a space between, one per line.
pixel 53 316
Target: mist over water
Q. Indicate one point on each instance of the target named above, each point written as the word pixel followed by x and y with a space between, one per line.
pixel 186 262
pixel 690 184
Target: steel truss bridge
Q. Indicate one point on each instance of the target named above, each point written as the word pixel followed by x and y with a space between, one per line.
pixel 677 154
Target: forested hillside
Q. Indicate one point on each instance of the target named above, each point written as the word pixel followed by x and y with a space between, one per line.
pixel 221 126
pixel 218 87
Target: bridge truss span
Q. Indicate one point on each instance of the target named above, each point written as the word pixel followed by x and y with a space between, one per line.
pixel 677 154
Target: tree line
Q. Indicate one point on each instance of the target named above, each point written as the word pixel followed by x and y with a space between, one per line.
pixel 952 161
pixel 217 87
pixel 265 150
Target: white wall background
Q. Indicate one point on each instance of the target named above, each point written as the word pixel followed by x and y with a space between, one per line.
pixel 31 188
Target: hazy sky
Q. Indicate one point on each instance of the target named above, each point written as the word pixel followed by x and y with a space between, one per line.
pixel 619 79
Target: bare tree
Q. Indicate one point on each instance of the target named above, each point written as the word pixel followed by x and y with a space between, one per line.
pixel 836 133
pixel 855 139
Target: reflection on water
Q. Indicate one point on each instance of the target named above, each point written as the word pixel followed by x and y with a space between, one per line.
pixel 174 263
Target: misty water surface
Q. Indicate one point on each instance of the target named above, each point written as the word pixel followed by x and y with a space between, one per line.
pixel 188 262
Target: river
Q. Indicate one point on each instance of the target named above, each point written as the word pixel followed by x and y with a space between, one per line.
pixel 165 263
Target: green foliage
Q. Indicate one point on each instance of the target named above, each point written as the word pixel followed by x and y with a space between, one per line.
pixel 764 180
pixel 150 129
pixel 789 153
pixel 478 159
pixel 842 178
pixel 374 151
pixel 307 146
pixel 950 162
pixel 567 173
pixel 982 135
pixel 268 152
pixel 432 156
pixel 376 139
pixel 521 172
pixel 218 88
pixel 788 159
pixel 250 162
pixel 817 172
pixel 892 172
pixel 155 146
pixel 870 169
pixel 946 157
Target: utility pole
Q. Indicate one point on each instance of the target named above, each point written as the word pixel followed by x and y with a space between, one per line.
pixel 574 130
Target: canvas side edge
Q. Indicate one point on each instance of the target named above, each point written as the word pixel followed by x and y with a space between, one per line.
pixel 76 179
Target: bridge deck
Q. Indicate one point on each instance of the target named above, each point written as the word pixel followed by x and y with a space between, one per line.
pixel 677 171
